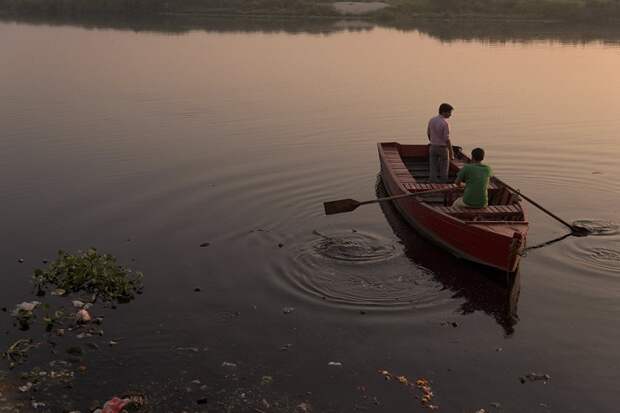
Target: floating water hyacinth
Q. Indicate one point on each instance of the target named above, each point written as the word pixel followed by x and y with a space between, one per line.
pixel 90 272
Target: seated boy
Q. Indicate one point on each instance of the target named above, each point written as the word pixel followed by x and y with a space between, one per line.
pixel 476 177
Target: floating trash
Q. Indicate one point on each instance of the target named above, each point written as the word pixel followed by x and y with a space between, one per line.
pixel 83 316
pixel 535 377
pixel 421 384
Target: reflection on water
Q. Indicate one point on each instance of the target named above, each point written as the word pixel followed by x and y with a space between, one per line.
pixel 493 292
pixel 234 138
pixel 446 30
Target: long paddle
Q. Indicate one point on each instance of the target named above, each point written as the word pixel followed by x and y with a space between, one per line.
pixel 577 231
pixel 348 205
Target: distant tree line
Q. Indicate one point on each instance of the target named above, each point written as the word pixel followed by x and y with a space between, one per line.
pixel 81 7
pixel 585 10
pixel 530 9
pixel 247 7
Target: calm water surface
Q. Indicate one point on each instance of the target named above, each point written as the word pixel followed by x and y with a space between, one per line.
pixel 146 144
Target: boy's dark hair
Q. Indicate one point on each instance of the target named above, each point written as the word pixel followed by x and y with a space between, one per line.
pixel 445 107
pixel 477 154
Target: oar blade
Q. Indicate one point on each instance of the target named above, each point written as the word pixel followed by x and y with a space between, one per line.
pixel 340 206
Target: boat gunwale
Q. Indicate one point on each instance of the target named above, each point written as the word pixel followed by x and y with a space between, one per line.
pixel 469 226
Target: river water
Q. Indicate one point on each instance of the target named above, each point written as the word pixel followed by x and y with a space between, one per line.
pixel 147 141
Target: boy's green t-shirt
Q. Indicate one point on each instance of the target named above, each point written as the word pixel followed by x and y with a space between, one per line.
pixel 476 177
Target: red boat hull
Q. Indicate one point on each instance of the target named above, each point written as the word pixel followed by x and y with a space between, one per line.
pixel 495 244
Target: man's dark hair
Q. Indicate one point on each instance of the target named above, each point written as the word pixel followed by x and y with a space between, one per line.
pixel 477 154
pixel 445 107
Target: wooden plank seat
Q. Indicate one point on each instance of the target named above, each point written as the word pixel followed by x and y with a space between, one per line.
pixel 419 187
pixel 490 213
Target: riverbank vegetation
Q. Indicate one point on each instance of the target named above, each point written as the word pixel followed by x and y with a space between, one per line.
pixel 568 10
pixel 143 7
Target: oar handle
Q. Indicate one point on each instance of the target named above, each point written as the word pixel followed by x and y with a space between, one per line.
pixel 536 204
pixel 392 198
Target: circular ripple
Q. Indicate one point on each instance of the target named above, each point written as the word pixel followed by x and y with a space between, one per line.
pixel 353 247
pixel 597 227
pixel 604 258
pixel 589 255
pixel 362 270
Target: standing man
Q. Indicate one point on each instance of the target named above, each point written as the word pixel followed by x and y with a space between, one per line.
pixel 476 177
pixel 440 150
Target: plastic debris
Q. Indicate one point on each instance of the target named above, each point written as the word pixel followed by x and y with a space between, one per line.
pixel 114 405
pixel 535 377
pixel 265 380
pixel 288 310
pixel 77 303
pixel 83 316
pixel 421 384
pixel 59 292
pixel 335 364
pixel 26 387
pixel 118 404
pixel 229 364
pixel 26 306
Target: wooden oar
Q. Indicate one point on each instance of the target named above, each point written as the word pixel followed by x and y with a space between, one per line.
pixel 348 205
pixel 577 231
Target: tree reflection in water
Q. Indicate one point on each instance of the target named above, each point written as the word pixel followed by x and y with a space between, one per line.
pixel 484 31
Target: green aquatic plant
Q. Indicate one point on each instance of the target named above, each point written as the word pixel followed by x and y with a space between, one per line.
pixel 18 351
pixel 92 273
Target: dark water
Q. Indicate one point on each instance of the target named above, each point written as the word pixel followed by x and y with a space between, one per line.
pixel 146 143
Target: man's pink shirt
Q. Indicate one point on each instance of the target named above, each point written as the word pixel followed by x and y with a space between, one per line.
pixel 439 130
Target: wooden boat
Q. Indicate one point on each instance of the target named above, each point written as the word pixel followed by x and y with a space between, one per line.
pixel 494 236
